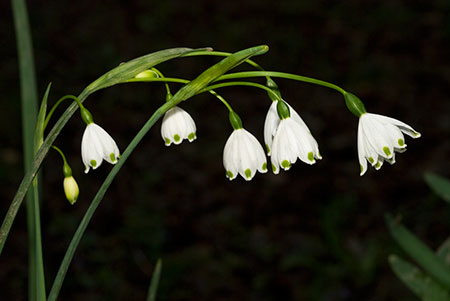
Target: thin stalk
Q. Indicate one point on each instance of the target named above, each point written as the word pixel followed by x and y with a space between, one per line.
pixel 50 113
pixel 36 285
pixel 249 84
pixel 281 75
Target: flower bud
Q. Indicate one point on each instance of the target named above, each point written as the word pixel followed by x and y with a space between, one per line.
pixel 235 120
pixel 147 74
pixel 283 110
pixel 71 189
pixel 354 104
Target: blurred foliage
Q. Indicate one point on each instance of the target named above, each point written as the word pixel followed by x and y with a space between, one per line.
pixel 313 233
pixel 433 283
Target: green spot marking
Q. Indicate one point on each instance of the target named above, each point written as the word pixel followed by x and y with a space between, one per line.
pixel 167 141
pixel 401 142
pixel 371 160
pixel 264 167
pixel 361 168
pixel 191 136
pixel 387 151
pixel 378 164
pixel 93 163
pixel 274 168
pixel 268 149
pixel 229 174
pixel 286 164
pixel 415 134
pixel 112 157
pixel 310 156
pixel 248 173
pixel 176 137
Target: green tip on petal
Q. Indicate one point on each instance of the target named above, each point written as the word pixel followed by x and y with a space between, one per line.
pixel 401 142
pixel 176 137
pixel 274 168
pixel 378 165
pixel 361 168
pixel 311 156
pixel 167 141
pixel 286 164
pixel 387 151
pixel 371 160
pixel 112 157
pixel 416 134
pixel 264 166
pixel 93 163
pixel 191 136
pixel 268 149
pixel 248 173
pixel 229 175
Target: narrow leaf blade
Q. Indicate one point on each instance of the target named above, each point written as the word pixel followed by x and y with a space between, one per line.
pixel 39 131
pixel 440 185
pixel 434 291
pixel 423 255
pixel 411 276
pixel 155 281
pixel 130 69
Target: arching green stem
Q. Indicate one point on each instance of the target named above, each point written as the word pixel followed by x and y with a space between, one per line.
pixel 281 75
pixel 249 84
pixel 169 94
pixel 50 113
pixel 179 80
pixel 60 152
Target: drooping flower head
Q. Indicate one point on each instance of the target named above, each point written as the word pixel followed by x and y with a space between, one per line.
pixel 379 137
pixel 177 125
pixel 96 145
pixel 288 138
pixel 243 154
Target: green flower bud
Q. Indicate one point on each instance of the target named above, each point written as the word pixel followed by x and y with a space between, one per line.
pixel 283 110
pixel 86 115
pixel 147 74
pixel 67 171
pixel 354 104
pixel 274 87
pixel 71 189
pixel 235 120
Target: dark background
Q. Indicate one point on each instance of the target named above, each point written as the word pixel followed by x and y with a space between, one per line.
pixel 312 233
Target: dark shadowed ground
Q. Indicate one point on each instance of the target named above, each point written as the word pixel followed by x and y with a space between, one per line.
pixel 312 233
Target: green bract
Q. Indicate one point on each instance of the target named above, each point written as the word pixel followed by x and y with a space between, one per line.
pixel 354 104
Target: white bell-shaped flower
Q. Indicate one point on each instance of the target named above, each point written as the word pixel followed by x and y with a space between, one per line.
pixel 177 125
pixel 273 120
pixel 379 137
pixel 244 155
pixel 291 140
pixel 96 146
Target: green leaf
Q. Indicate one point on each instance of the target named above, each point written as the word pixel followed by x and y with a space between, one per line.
pixel 155 281
pixel 128 70
pixel 434 291
pixel 423 255
pixel 411 276
pixel 440 185
pixel 39 130
pixel 444 251
pixel 213 72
